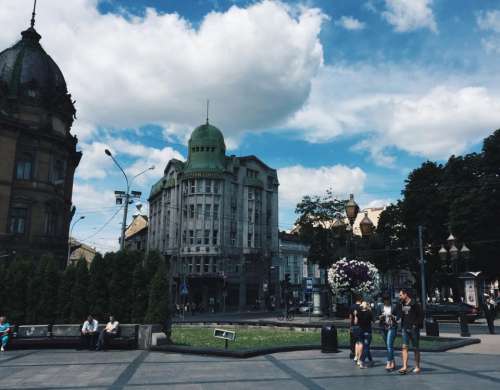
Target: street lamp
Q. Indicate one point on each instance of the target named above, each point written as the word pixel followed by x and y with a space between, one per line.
pixel 455 253
pixel 351 211
pixel 126 195
pixel 69 236
pixel 366 226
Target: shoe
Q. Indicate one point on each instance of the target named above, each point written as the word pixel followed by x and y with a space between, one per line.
pixel 363 366
pixel 2 349
pixel 403 371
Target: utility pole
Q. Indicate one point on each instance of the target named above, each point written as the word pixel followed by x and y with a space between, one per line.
pixel 120 195
pixel 422 267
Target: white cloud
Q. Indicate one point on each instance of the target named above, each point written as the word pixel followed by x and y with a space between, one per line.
pixel 297 181
pixel 254 63
pixel 94 163
pixel 410 15
pixel 88 198
pixel 419 111
pixel 489 20
pixel 350 23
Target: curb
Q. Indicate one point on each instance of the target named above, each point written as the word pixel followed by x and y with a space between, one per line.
pixel 247 353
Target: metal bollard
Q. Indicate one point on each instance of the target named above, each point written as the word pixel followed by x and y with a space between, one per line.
pixel 329 340
pixel 464 326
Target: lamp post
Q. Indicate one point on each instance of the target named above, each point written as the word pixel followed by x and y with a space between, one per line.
pixel 351 211
pixel 69 237
pixel 451 251
pixel 126 196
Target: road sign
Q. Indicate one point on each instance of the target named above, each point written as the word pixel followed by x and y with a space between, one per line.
pixel 225 334
pixel 184 289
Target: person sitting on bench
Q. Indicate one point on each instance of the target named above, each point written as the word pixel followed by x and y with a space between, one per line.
pixel 110 331
pixel 4 333
pixel 88 334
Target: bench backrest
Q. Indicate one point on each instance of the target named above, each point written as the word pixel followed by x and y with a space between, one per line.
pixel 33 331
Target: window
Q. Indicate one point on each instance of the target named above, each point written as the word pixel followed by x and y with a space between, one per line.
pixel 190 265
pixel 208 186
pixel 24 167
pixel 50 223
pixel 199 210
pixel 184 211
pixel 214 237
pixel 184 236
pixel 233 238
pixel 191 186
pixel 250 214
pixel 191 211
pixel 252 174
pixel 191 237
pixel 216 211
pixel 216 186
pixel 18 218
pixel 58 171
pixel 206 238
pixel 206 265
pixel 208 210
pixel 249 239
pixel 198 264
pixel 199 185
pixel 198 237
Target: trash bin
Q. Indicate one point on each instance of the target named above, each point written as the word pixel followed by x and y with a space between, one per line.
pixel 329 341
pixel 431 327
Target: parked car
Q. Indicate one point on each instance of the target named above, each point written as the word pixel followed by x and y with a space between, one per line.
pixel 451 311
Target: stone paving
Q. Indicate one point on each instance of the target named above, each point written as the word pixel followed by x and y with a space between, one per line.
pixel 67 369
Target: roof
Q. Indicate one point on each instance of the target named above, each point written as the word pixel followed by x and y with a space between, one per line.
pixel 206 150
pixel 29 74
pixel 139 223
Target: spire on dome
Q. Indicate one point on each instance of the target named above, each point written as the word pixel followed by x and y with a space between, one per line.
pixel 33 15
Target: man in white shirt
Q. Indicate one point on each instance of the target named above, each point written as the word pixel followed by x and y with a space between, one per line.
pixel 111 330
pixel 88 334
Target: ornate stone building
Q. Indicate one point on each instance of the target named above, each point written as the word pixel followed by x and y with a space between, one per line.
pixel 216 216
pixel 38 152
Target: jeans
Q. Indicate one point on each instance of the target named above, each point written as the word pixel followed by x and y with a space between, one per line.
pixel 412 336
pixel 366 338
pixel 389 336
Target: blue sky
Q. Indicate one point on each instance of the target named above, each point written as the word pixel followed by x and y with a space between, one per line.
pixel 333 93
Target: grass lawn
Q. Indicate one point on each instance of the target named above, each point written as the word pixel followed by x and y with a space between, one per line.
pixel 251 338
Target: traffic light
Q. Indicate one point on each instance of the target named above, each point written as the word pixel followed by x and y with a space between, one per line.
pixel 287 280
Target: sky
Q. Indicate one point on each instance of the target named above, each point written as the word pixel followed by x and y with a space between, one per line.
pixel 342 94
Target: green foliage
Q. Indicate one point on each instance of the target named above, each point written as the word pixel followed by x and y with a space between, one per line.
pixel 159 303
pixel 64 301
pixel 37 291
pixel 79 299
pixel 47 303
pixel 140 293
pixel 98 288
pixel 462 197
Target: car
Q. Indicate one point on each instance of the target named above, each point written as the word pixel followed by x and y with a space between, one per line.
pixel 451 311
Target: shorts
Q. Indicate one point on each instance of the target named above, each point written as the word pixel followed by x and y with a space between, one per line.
pixel 356 334
pixel 412 336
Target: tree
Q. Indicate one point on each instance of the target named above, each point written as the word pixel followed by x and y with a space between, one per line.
pixel 120 292
pixel 140 294
pixel 47 303
pixel 151 262
pixel 34 288
pixel 64 294
pixel 98 288
pixel 79 301
pixel 158 303
pixel 16 286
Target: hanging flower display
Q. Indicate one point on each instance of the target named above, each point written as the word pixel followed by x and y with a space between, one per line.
pixel 355 276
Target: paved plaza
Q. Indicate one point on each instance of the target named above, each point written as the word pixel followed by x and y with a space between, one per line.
pixel 68 369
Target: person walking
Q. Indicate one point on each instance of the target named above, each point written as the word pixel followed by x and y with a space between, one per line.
pixel 389 325
pixel 411 321
pixel 111 330
pixel 489 308
pixel 365 320
pixel 88 334
pixel 4 333
pixel 354 334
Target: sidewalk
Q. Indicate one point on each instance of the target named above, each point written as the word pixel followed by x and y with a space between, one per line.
pixel 490 344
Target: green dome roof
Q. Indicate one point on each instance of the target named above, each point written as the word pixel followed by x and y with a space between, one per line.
pixel 207 149
pixel 207 134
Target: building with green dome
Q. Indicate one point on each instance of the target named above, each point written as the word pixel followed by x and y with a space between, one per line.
pixel 216 218
pixel 39 155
